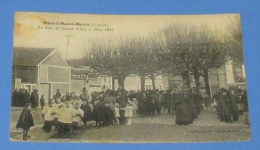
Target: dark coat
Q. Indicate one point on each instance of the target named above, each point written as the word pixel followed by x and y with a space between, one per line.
pixel 167 99
pixel 25 120
pixel 98 111
pixel 245 102
pixel 87 112
pixel 192 108
pixel 197 100
pixel 34 99
pixel 225 104
pixel 183 115
pixel 122 100
pixel 233 103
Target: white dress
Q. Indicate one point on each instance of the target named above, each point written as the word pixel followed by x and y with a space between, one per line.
pixel 65 115
pixel 76 113
pixel 135 104
pixel 129 111
pixel 48 113
pixel 117 112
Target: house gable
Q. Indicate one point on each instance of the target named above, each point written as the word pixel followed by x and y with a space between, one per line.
pixel 26 56
pixel 55 60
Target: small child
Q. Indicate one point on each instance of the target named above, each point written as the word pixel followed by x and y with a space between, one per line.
pixel 135 105
pixel 25 121
pixel 42 101
pixel 117 115
pixel 129 112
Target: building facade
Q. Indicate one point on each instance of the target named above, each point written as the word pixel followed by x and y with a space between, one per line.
pixel 83 76
pixel 230 75
pixel 42 69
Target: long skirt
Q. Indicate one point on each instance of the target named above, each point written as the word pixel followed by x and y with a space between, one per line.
pixel 193 110
pixel 183 115
pixel 122 119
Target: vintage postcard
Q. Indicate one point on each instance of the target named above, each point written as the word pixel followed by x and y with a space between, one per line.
pixel 128 78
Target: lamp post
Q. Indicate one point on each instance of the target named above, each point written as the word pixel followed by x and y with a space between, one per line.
pixel 68 42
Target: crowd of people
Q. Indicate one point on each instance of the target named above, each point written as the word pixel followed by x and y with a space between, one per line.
pixel 22 97
pixel 229 104
pixel 64 114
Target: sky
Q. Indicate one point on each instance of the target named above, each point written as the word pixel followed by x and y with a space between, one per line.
pixel 51 30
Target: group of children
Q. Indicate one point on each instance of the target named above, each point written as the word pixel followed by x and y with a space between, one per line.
pixel 63 116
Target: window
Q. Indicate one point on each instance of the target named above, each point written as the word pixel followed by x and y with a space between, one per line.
pixel 148 87
pixel 29 87
pixel 160 87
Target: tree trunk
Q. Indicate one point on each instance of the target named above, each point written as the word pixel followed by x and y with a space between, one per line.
pixel 206 81
pixel 142 80
pixel 186 81
pixel 153 81
pixel 121 82
pixel 196 76
pixel 113 83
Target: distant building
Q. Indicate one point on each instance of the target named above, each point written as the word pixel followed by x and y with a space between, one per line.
pixel 84 76
pixel 133 82
pixel 42 69
pixel 230 75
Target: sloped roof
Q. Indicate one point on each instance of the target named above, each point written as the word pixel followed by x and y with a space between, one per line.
pixel 76 63
pixel 24 56
pixel 79 67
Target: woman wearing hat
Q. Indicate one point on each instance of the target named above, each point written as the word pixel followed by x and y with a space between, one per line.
pixel 25 121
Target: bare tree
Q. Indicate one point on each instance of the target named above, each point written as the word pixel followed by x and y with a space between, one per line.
pixel 234 30
pixel 112 58
pixel 193 50
pixel 146 62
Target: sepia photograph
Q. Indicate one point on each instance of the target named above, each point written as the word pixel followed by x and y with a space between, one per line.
pixel 94 78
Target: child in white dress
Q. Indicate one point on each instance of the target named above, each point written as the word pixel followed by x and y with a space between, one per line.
pixel 129 112
pixel 135 104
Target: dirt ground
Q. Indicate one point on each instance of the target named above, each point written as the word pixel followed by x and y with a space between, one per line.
pixel 157 129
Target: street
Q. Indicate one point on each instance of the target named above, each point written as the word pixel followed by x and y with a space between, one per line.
pixel 157 129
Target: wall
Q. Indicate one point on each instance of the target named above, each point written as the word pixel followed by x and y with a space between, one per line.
pixel 132 82
pixel 63 87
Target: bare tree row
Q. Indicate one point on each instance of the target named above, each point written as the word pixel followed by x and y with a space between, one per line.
pixel 177 49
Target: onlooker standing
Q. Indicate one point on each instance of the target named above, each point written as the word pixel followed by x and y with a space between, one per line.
pixel 206 101
pixel 34 98
pixel 98 112
pixel 122 101
pixel 234 107
pixel 25 121
pixel 246 114
pixel 129 112
pixel 87 113
pixel 42 102
pixel 226 105
pixel 58 94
